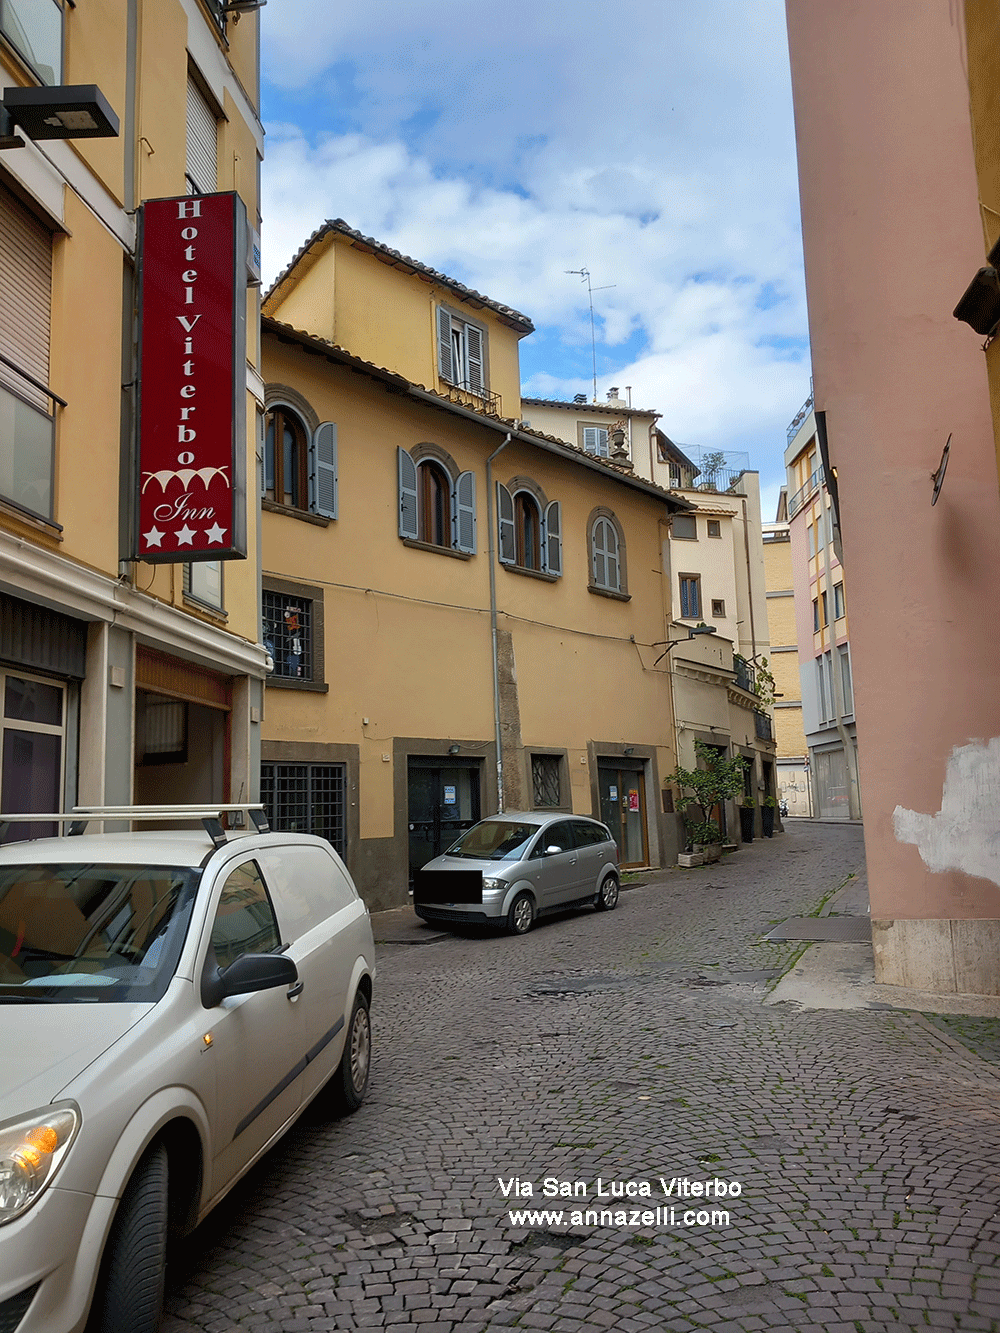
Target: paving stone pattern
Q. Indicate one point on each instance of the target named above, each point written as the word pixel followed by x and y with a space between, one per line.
pixel 627 1046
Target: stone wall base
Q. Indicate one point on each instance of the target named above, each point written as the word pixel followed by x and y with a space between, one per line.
pixel 946 957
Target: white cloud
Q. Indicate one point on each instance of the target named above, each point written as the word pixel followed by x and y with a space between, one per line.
pixel 650 142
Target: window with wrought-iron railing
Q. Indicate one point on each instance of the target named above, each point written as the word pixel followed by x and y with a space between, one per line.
pixel 545 786
pixel 307 798
pixel 762 727
pixel 288 634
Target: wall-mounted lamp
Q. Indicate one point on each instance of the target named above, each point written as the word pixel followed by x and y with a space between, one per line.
pixel 628 749
pixel 238 7
pixel 69 111
pixel 454 749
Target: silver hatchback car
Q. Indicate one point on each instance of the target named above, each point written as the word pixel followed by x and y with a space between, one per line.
pixel 511 868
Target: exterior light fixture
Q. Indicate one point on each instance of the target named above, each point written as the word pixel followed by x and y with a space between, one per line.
pixel 980 303
pixel 454 749
pixel 628 749
pixel 238 7
pixel 702 629
pixel 68 111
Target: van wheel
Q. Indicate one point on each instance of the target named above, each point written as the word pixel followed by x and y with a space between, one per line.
pixel 346 1089
pixel 131 1293
pixel 607 897
pixel 521 916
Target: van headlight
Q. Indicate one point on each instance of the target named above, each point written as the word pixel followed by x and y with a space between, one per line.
pixel 31 1151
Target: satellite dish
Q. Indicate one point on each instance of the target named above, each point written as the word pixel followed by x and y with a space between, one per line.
pixel 938 477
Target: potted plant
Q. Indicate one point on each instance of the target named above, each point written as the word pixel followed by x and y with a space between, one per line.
pixel 715 780
pixel 706 838
pixel 767 806
pixel 746 818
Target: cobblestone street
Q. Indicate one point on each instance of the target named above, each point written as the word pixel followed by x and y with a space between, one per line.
pixel 628 1046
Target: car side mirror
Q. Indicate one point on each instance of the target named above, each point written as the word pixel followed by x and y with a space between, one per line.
pixel 553 850
pixel 247 974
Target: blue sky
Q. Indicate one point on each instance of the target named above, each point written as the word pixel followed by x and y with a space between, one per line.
pixel 650 141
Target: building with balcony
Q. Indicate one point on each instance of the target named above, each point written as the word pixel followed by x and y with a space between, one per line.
pixel 123 681
pixel 792 757
pixel 886 148
pixel 824 649
pixel 464 614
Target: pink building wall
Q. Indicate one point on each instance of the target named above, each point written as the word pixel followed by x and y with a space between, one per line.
pixel 892 238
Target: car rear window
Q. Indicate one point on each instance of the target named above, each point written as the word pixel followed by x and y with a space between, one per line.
pixel 495 840
pixel 91 933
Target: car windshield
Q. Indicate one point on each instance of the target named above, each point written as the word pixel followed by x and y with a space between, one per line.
pixel 495 840
pixel 91 933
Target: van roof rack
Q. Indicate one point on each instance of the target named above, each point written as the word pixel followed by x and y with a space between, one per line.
pixel 209 814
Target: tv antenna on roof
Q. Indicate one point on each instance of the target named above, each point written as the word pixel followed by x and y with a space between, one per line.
pixel 584 275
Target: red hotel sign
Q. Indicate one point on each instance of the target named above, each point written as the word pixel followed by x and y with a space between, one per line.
pixel 191 474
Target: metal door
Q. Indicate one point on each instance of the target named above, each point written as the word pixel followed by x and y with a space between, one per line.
pixel 623 809
pixel 443 802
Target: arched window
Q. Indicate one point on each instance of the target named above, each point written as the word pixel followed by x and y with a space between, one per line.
pixel 286 459
pixel 433 504
pixel 433 508
pixel 527 532
pixel 607 553
pixel 528 528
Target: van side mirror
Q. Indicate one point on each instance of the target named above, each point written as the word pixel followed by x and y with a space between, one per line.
pixel 245 975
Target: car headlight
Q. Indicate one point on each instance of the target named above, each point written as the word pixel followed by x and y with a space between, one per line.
pixel 31 1150
pixel 491 882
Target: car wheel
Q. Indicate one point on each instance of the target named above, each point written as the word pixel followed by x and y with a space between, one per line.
pixel 521 916
pixel 346 1089
pixel 135 1259
pixel 607 897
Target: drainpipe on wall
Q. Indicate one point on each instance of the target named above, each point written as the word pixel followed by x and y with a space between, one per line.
pixel 850 755
pixel 493 614
pixel 746 544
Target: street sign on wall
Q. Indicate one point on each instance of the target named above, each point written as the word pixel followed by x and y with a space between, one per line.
pixel 191 472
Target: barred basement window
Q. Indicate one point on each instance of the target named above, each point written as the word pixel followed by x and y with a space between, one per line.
pixel 288 634
pixel 545 779
pixel 307 798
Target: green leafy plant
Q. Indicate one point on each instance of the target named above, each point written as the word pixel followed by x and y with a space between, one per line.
pixel 769 803
pixel 716 779
pixel 748 803
pixel 711 465
pixel 703 834
pixel 764 684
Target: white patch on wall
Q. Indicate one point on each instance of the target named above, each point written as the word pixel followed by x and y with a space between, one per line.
pixel 965 833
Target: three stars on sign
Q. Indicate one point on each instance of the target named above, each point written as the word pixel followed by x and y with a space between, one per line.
pixel 185 535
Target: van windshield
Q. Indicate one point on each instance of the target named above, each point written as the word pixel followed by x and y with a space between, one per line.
pixel 91 933
pixel 495 840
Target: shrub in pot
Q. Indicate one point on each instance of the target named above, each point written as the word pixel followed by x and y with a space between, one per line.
pixel 747 818
pixel 767 807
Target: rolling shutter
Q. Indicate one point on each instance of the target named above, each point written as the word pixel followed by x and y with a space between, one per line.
pixel 202 141
pixel 25 298
pixel 408 526
pixel 323 470
pixel 505 521
pixel 464 510
pixel 552 539
pixel 446 368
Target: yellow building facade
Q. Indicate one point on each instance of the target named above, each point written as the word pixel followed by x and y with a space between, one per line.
pixel 789 732
pixel 464 615
pixel 125 682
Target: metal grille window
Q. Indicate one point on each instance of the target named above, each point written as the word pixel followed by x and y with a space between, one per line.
pixel 288 634
pixel 307 798
pixel 545 779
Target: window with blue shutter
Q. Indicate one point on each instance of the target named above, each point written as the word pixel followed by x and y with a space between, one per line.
pixel 605 557
pixel 462 349
pixel 690 596
pixel 464 513
pixel 408 517
pixel 552 539
pixel 475 379
pixel 323 470
pixel 595 440
pixel 505 525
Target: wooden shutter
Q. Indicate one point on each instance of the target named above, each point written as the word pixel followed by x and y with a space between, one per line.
pixel 474 355
pixel 464 513
pixel 408 523
pixel 611 546
pixel 595 440
pixel 446 368
pixel 25 298
pixel 552 539
pixel 505 523
pixel 202 141
pixel 323 470
pixel 598 554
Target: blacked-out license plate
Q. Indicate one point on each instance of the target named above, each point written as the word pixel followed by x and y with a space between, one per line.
pixel 448 886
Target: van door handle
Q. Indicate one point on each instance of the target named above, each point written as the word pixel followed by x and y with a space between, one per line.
pixel 295 991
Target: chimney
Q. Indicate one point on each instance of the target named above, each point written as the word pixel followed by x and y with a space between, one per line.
pixel 613 398
pixel 579 398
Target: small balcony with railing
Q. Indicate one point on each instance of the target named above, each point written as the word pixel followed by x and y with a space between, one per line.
pixel 27 440
pixel 473 395
pixel 805 493
pixel 763 726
